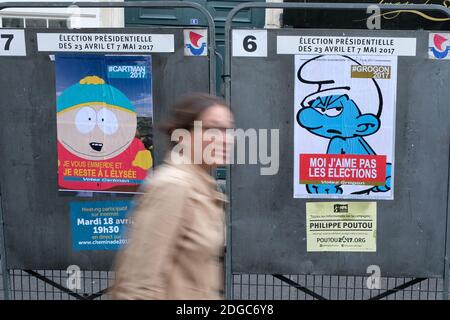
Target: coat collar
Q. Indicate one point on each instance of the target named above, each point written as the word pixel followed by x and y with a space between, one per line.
pixel 202 180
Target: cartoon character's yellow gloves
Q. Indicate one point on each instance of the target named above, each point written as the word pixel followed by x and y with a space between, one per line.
pixel 143 160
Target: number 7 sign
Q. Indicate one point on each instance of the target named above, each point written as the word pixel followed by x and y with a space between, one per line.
pixel 12 42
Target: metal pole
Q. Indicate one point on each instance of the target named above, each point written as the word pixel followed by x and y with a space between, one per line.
pixel 447 238
pixel 138 4
pixel 227 76
pixel 5 271
pixel 228 256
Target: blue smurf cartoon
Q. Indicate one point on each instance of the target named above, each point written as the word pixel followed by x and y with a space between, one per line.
pixel 337 107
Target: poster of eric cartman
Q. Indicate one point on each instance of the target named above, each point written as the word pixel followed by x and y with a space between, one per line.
pixel 104 122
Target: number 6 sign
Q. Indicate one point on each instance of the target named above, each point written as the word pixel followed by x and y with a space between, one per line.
pixel 249 43
pixel 12 42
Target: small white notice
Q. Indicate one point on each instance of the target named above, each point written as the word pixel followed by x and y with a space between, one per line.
pixel 12 42
pixel 105 42
pixel 367 46
pixel 249 43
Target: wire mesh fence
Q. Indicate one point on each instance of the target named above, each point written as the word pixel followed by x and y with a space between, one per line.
pixel 52 285
pixel 314 287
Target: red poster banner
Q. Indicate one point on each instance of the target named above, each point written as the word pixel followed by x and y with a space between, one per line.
pixel 342 169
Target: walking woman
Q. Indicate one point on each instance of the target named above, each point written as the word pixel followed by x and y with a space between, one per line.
pixel 177 237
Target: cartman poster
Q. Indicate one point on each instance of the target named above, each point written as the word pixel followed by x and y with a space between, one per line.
pixel 104 122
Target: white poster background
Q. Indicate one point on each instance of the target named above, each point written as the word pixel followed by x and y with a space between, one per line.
pixel 382 142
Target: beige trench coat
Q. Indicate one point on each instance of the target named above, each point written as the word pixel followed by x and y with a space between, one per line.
pixel 176 239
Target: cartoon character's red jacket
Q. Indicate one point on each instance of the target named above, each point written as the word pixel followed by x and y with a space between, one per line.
pixel 125 172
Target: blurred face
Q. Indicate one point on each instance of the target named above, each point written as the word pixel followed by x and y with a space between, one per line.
pixel 216 142
pixel 96 132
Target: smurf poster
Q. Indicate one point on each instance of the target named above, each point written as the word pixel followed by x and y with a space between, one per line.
pixel 344 134
pixel 104 122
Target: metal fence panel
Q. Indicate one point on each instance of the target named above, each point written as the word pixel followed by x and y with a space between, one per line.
pixel 270 224
pixel 36 215
pixel 26 286
pixel 333 287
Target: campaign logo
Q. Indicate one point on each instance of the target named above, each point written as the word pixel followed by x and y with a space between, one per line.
pixel 195 42
pixel 127 71
pixel 341 208
pixel 438 45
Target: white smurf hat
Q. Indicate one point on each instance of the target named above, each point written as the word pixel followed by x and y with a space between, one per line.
pixel 328 75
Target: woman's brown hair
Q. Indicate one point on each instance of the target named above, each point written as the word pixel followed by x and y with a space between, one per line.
pixel 188 109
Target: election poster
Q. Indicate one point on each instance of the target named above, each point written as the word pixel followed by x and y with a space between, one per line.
pixel 341 226
pixel 100 225
pixel 104 115
pixel 344 129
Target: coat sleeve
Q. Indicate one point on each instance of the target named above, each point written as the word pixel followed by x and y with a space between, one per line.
pixel 141 268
